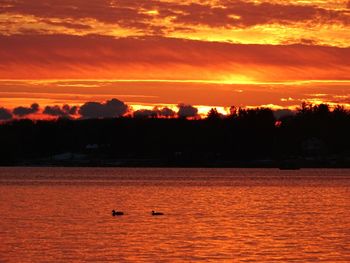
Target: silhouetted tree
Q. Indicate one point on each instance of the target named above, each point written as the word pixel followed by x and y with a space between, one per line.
pixel 250 134
pixel 233 111
pixel 213 114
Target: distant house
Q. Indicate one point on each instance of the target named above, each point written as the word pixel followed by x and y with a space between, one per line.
pixel 68 156
pixel 94 146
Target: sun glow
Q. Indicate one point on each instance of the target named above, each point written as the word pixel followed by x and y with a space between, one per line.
pixel 151 53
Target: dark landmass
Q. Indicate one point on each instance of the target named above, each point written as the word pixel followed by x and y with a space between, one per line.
pixel 313 137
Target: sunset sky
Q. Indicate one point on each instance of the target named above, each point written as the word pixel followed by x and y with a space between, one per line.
pixel 274 53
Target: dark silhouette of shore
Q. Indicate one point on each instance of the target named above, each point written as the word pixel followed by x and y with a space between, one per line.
pixel 314 136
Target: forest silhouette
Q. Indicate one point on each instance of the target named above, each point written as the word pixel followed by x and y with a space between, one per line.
pixel 314 136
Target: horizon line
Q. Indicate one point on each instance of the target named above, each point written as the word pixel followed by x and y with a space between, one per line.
pixel 204 81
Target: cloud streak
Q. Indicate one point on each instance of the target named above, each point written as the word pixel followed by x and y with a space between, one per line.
pixel 63 56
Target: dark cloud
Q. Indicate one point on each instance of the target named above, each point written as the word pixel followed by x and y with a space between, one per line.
pixel 24 111
pixel 110 109
pixel 65 111
pixel 133 14
pixel 155 113
pixel 70 110
pixel 166 112
pixel 187 111
pixel 125 13
pixel 143 113
pixel 54 111
pixel 248 13
pixel 5 114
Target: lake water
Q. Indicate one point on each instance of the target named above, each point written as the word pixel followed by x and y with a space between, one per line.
pixel 212 215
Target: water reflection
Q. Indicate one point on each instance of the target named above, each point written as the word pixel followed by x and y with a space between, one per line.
pixel 55 215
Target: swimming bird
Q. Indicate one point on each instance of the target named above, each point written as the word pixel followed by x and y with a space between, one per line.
pixel 157 213
pixel 117 213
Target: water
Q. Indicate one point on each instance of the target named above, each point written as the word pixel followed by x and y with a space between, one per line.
pixel 213 215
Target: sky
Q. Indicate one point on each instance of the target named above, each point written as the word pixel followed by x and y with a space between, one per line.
pixel 205 53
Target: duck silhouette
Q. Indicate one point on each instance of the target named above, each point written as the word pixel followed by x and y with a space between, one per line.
pixel 117 213
pixel 157 213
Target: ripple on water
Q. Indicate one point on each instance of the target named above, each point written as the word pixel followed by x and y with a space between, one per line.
pixel 242 215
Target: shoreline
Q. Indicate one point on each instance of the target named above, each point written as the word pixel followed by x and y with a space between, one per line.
pixel 146 163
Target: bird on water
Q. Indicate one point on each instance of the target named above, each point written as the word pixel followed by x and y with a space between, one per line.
pixel 117 213
pixel 157 213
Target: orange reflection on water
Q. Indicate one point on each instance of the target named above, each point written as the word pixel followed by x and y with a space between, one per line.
pixel 264 215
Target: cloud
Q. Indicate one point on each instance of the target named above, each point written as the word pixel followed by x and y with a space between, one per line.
pixel 166 112
pixel 137 15
pixel 156 112
pixel 71 110
pixel 187 111
pixel 124 13
pixel 53 110
pixel 5 114
pixel 78 26
pixel 249 13
pixel 63 56
pixel 64 111
pixel 110 109
pixel 24 111
pixel 144 113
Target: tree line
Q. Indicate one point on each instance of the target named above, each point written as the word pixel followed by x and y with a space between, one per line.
pixel 314 132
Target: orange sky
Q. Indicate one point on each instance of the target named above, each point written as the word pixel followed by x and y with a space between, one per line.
pixel 275 53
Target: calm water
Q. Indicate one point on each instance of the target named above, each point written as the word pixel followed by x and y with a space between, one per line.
pixel 234 215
